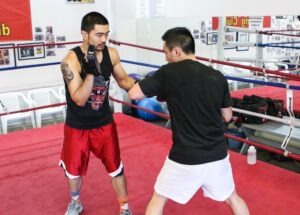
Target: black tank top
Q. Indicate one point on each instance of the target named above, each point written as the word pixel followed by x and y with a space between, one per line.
pixel 96 112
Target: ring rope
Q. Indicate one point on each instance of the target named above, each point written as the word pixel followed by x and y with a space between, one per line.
pixel 38 45
pixel 165 116
pixel 30 66
pixel 275 72
pixel 288 121
pixel 32 109
pixel 240 29
pixel 274 84
pixel 162 115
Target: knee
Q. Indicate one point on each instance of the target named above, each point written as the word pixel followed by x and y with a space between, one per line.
pixel 232 199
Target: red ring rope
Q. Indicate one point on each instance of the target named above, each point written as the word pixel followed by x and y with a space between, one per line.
pixel 165 116
pixel 262 70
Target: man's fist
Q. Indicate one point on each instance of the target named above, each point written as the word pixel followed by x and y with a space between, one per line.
pixel 90 63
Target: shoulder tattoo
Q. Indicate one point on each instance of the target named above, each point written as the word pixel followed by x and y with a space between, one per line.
pixel 67 73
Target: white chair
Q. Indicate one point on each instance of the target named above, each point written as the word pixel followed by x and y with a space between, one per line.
pixel 115 92
pixel 42 97
pixel 15 101
pixel 62 95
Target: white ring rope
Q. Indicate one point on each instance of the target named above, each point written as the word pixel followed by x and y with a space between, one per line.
pixel 289 121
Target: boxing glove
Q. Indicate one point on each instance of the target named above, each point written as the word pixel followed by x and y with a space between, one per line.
pixel 90 62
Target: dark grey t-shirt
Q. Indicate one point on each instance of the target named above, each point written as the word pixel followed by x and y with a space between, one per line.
pixel 195 94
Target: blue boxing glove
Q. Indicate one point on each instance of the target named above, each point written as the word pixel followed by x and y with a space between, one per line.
pixel 90 64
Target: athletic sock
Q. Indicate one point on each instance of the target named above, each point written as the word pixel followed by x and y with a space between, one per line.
pixel 123 203
pixel 75 195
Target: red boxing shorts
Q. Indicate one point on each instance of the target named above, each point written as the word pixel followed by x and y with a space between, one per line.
pixel 103 142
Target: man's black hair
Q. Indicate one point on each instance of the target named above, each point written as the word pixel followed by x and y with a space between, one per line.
pixel 181 37
pixel 91 19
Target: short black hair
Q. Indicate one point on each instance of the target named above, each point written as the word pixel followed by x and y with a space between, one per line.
pixel 91 19
pixel 180 36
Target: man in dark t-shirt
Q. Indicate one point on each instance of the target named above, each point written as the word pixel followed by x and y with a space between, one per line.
pixel 199 103
pixel 89 123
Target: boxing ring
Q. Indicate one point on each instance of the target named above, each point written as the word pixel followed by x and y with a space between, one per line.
pixel 31 180
pixel 272 133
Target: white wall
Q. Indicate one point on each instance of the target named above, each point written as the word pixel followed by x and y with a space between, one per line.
pixel 190 8
pixel 124 16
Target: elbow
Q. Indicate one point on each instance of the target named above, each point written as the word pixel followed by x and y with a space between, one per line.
pixel 134 95
pixel 226 114
pixel 80 104
pixel 131 95
pixel 227 118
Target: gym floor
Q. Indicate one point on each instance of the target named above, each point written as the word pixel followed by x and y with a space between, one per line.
pixel 263 155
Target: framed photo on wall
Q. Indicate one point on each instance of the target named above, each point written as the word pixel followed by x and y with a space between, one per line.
pixel 7 56
pixel 243 38
pixel 28 51
pixel 230 37
pixel 211 38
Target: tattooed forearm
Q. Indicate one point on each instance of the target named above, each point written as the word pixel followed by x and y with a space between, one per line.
pixel 67 72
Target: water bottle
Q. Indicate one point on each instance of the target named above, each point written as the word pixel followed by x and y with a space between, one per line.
pixel 251 155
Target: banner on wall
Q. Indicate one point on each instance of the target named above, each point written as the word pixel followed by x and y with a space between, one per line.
pixel 237 21
pixel 15 20
pixel 259 22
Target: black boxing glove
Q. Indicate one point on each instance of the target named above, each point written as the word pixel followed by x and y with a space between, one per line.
pixel 160 99
pixel 89 64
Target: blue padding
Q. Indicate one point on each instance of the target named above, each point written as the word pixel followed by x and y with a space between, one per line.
pixel 276 46
pixel 156 66
pixel 30 66
pixel 274 84
pixel 280 43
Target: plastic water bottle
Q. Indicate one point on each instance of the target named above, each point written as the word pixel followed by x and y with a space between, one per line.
pixel 251 155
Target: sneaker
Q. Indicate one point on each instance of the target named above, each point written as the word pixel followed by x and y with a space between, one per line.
pixel 125 212
pixel 74 208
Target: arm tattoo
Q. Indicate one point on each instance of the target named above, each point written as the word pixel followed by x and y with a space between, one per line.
pixel 67 73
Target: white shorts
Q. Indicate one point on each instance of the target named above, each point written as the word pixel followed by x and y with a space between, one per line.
pixel 180 182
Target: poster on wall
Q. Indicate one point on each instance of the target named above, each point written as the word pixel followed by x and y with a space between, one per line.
pixel 38 34
pixel 150 9
pixel 81 1
pixel 15 20
pixel 7 56
pixel 242 37
pixel 49 39
pixel 230 37
pixel 60 39
pixel 212 38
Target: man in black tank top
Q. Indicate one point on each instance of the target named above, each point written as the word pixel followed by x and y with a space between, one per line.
pixel 89 123
pixel 199 102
